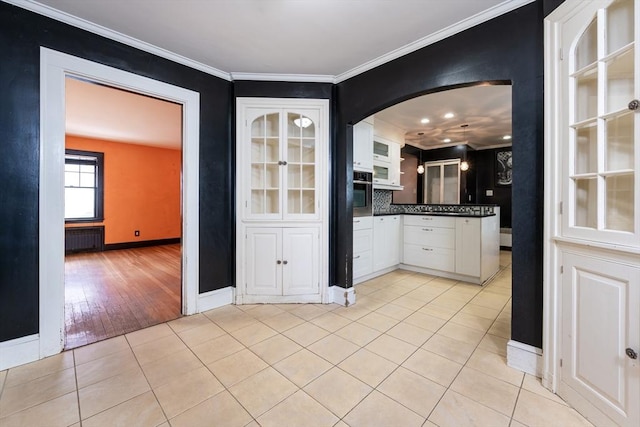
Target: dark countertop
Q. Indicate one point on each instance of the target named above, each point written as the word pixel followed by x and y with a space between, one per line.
pixel 453 214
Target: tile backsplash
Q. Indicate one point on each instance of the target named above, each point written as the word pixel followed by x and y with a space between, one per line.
pixel 382 204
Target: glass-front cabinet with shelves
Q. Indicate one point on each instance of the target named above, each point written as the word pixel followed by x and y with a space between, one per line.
pixel 602 177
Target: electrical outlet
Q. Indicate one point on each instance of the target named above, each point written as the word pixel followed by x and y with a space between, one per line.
pixel 489 192
pixel 136 233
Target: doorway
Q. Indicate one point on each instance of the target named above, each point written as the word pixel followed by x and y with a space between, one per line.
pixel 55 67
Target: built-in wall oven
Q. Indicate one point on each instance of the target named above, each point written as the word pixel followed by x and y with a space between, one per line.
pixel 362 193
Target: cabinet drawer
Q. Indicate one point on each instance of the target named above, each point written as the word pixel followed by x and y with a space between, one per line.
pixel 430 220
pixel 431 236
pixel 362 222
pixel 429 257
pixel 362 240
pixel 362 264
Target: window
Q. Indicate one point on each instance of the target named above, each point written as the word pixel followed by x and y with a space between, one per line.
pixel 83 186
pixel 442 182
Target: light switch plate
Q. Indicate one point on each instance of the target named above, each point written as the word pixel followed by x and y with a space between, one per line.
pixel 489 193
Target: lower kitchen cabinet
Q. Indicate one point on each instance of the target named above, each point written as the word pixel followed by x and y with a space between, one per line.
pixel 362 247
pixel 282 261
pixel 386 241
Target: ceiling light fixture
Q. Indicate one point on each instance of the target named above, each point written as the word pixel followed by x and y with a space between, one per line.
pixel 425 121
pixel 449 116
pixel 506 137
pixel 420 165
pixel 446 140
pixel 304 122
pixel 464 165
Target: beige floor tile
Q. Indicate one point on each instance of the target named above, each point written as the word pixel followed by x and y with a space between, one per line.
pixel 61 411
pixel 31 371
pixel 412 390
pixel 303 367
pixel 142 410
pixel 379 410
pixel 330 321
pixel 306 334
pixel 283 321
pixel 490 300
pixel 448 302
pixel 534 385
pixel 253 334
pixel 174 365
pixel 298 410
pixel 338 391
pixel 111 392
pixel 188 322
pixel 217 349
pixel 491 392
pixel 333 348
pixel 472 321
pixel 535 410
pixel 496 289
pixel 235 368
pixel 100 349
pixel 368 367
pixel 514 423
pixel 461 333
pixel 410 333
pixel 378 322
pixel 105 367
pixel 477 310
pixel 307 311
pixel 443 313
pixel 220 410
pixel 368 303
pixel 40 390
pixel 224 311
pixel 425 321
pixel 358 334
pixel 187 391
pixel 501 328
pixel 3 376
pixel 234 321
pixel 154 350
pixel 395 311
pixel 262 391
pixel 494 344
pixel 408 302
pixel 424 294
pixel 495 365
pixel 151 334
pixel 433 367
pixel 341 424
pixel 264 311
pixel 455 410
pixel 276 348
pixel 200 334
pixel 387 294
pixel 457 351
pixel 391 348
pixel 353 312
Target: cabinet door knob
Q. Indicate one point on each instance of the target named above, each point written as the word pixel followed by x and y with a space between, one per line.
pixel 631 353
pixel 278 262
pixel 427 249
pixel 427 229
pixel 356 257
pixel 634 105
pixel 285 262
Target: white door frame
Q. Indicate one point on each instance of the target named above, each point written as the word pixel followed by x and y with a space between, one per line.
pixel 54 67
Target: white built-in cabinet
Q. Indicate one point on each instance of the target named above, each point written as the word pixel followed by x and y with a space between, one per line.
pixel 386 241
pixel 362 247
pixel 363 146
pixel 593 205
pixel 386 164
pixel 281 155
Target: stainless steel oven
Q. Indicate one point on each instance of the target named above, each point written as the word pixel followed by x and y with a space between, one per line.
pixel 362 193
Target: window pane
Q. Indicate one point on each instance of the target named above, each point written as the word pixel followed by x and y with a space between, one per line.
pixel 88 168
pixel 79 203
pixel 71 167
pixel 71 179
pixel 87 180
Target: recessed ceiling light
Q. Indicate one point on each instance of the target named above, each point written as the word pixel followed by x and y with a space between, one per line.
pixel 506 137
pixel 425 121
pixel 446 140
pixel 449 116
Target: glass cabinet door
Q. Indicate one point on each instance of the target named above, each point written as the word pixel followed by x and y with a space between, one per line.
pixel 602 175
pixel 301 164
pixel 265 165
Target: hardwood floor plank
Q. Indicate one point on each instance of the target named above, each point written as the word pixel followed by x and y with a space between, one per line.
pixel 116 292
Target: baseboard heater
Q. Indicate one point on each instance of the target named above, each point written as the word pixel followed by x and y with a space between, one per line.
pixel 83 239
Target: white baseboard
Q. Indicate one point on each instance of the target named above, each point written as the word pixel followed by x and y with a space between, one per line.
pixel 19 351
pixel 361 279
pixel 342 296
pixel 215 299
pixel 525 358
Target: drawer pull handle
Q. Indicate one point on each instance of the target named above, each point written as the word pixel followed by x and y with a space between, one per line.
pixel 356 257
pixel 356 221
pixel 427 229
pixel 427 219
pixel 427 249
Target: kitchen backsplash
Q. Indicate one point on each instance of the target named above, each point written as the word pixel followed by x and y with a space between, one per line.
pixel 382 204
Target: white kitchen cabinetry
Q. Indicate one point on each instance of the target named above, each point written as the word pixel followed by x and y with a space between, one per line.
pixel 478 246
pixel 386 242
pixel 281 237
pixel 362 247
pixel 429 242
pixel 386 168
pixel 363 146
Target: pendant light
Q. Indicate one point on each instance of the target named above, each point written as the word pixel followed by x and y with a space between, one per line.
pixel 420 165
pixel 464 165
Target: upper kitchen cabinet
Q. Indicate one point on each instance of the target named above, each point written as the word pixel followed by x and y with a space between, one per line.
pixel 363 145
pixel 280 163
pixel 386 164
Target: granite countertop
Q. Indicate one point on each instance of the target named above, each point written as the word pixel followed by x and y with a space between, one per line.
pixel 453 214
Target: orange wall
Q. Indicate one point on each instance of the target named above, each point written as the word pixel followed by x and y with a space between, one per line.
pixel 141 189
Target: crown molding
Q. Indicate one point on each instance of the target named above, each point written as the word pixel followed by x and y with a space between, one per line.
pixel 479 18
pixel 273 77
pixel 52 13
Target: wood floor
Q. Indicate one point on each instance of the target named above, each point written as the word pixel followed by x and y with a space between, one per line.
pixel 115 292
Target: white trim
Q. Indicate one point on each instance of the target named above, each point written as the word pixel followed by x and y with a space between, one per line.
pixel 215 299
pixel 525 358
pixel 54 67
pixel 486 15
pixel 447 274
pixel 19 351
pixel 272 77
pixel 342 296
pixel 58 15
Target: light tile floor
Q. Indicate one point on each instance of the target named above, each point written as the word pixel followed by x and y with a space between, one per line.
pixel 415 350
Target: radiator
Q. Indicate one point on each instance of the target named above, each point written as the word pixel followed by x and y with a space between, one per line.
pixel 84 239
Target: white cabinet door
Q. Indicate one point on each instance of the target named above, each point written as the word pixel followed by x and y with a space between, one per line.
pixel 600 320
pixel 468 246
pixel 363 147
pixel 263 261
pixel 300 270
pixel 386 242
pixel 393 240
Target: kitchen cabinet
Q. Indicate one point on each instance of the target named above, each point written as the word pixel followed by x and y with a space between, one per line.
pixel 386 242
pixel 282 261
pixel 429 242
pixel 363 146
pixel 362 247
pixel 478 246
pixel 386 168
